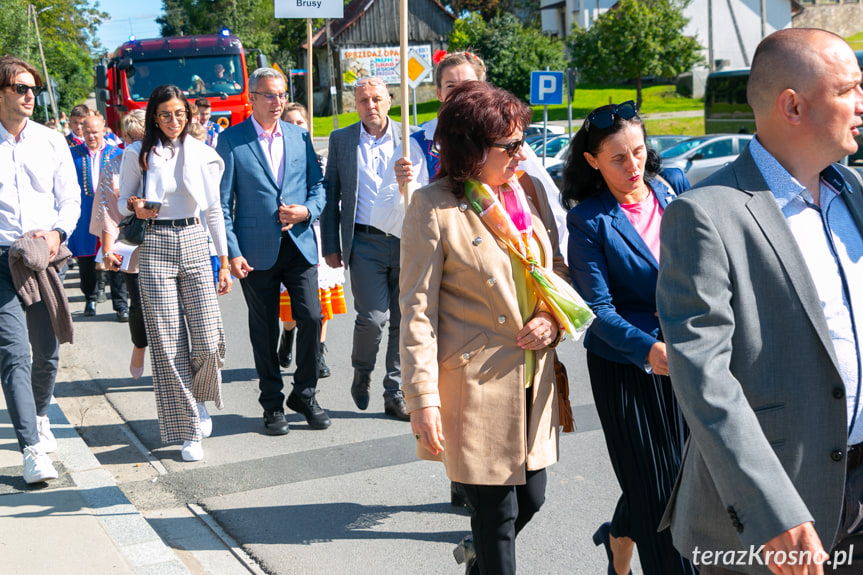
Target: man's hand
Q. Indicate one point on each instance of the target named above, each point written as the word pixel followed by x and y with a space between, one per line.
pixel 404 171
pixel 293 214
pixel 797 539
pixel 240 267
pixel 334 260
pixel 53 239
pixel 225 281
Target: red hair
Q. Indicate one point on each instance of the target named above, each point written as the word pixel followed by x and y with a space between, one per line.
pixel 474 116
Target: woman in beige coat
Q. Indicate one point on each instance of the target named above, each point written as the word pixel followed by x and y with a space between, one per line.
pixel 477 364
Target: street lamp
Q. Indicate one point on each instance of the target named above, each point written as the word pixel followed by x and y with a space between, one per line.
pixel 34 13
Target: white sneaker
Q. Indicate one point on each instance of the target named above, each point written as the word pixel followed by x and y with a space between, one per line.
pixel 192 451
pixel 37 465
pixel 47 441
pixel 206 422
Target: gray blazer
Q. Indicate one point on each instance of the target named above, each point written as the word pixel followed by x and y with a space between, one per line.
pixel 753 367
pixel 341 207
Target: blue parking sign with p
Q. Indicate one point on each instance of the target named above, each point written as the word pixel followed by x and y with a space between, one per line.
pixel 546 88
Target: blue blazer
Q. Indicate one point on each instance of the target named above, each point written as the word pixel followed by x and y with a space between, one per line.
pixel 615 272
pixel 251 198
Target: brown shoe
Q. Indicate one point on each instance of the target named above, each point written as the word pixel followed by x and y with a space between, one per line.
pixel 395 407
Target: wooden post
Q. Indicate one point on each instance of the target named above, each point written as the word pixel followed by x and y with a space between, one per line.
pixel 309 87
pixel 403 66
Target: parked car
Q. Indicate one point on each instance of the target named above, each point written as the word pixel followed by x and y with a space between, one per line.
pixel 555 172
pixel 555 148
pixel 552 130
pixel 662 143
pixel 700 157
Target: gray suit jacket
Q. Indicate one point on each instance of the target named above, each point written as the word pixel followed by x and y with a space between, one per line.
pixel 753 367
pixel 338 215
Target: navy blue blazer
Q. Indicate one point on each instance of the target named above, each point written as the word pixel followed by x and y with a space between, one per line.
pixel 251 198
pixel 615 272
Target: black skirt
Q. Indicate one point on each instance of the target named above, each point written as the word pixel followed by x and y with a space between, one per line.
pixel 645 433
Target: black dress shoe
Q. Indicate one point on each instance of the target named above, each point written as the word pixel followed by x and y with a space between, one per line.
pixel 323 369
pixel 286 347
pixel 123 315
pixel 275 423
pixel 90 309
pixel 395 407
pixel 315 415
pixel 360 389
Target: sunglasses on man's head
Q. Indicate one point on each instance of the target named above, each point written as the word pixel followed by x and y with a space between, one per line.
pixel 511 148
pixel 21 89
pixel 370 81
pixel 604 118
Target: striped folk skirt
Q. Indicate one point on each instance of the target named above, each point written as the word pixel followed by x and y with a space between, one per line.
pixel 184 327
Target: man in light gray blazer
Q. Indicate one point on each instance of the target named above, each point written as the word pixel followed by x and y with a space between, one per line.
pixel 357 160
pixel 760 300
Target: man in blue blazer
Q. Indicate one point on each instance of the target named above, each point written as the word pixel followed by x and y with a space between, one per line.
pixel 272 191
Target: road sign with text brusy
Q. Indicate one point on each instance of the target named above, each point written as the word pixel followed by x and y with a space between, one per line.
pixel 309 8
pixel 546 88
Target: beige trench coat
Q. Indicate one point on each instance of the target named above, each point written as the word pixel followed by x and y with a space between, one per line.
pixel 460 318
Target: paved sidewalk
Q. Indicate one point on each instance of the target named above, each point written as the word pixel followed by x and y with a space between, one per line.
pixel 80 523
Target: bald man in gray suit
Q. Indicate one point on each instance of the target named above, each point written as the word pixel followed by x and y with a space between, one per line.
pixel 760 300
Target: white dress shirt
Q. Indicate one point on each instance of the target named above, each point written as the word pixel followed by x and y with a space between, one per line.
pixel 273 146
pixel 38 183
pixel 373 158
pixel 96 164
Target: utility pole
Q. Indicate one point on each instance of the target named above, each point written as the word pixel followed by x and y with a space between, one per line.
pixel 333 98
pixel 42 55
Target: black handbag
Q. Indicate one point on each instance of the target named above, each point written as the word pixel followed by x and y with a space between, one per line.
pixel 132 228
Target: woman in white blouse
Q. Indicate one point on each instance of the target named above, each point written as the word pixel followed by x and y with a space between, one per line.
pixel 171 181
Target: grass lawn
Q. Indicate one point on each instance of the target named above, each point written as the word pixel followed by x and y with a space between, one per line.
pixel 856 41
pixel 587 97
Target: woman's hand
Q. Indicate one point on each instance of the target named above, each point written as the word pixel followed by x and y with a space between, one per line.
pixel 112 261
pixel 426 425
pixel 404 171
pixel 136 205
pixel 539 332
pixel 657 358
pixel 225 280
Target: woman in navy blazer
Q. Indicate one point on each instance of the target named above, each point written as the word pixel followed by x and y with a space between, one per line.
pixel 613 255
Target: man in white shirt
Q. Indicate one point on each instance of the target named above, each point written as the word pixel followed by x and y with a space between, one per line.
pixel 38 193
pixel 357 162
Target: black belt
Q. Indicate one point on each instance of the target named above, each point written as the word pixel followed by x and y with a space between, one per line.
pixel 369 230
pixel 855 456
pixel 176 223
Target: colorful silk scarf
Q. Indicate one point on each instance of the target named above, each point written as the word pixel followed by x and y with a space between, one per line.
pixel 567 307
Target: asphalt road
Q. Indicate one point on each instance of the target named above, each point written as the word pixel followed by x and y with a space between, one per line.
pixel 352 499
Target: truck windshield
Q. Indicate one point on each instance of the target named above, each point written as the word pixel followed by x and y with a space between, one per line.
pixel 198 76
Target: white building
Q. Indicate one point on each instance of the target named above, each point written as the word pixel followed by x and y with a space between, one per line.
pixel 734 45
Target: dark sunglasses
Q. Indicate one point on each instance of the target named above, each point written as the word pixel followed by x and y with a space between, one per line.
pixel 21 89
pixel 511 148
pixel 604 118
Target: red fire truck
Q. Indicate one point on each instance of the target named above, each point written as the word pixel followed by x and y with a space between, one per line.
pixel 211 66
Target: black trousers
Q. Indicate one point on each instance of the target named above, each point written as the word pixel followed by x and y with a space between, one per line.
pixel 644 432
pixel 501 512
pixel 261 291
pixel 90 283
pixel 136 311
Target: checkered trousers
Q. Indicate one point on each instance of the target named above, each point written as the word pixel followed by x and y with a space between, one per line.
pixel 184 327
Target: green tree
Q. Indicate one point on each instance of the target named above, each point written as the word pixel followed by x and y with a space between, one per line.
pixel 511 51
pixel 68 31
pixel 638 38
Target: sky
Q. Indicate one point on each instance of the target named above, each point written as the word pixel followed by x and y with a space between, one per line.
pixel 128 17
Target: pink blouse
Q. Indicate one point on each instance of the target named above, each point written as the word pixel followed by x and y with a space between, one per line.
pixel 646 216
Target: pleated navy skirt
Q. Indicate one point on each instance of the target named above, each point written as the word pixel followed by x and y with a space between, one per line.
pixel 645 433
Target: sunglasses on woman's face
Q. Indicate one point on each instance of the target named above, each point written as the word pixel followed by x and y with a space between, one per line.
pixel 21 89
pixel 510 148
pixel 604 118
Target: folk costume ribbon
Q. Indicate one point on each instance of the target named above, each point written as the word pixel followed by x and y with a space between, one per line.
pixel 567 307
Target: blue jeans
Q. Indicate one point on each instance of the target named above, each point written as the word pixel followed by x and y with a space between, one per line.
pixel 27 386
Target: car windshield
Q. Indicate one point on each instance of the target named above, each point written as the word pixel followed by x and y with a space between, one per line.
pixel 682 148
pixel 199 76
pixel 552 147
